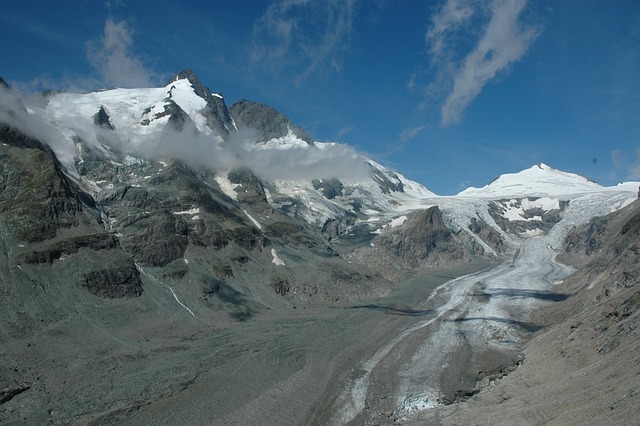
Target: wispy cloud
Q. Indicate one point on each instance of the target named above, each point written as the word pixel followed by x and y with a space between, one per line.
pixel 410 133
pixel 625 164
pixel 617 158
pixel 114 59
pixel 452 17
pixel 404 137
pixel 344 131
pixel 32 28
pixel 305 36
pixel 269 162
pixel 14 113
pixel 635 168
pixel 460 72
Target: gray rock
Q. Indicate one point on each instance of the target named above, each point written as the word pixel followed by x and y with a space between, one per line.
pixel 43 208
pixel 330 188
pixel 101 118
pixel 422 240
pixel 487 234
pixel 250 189
pixel 267 121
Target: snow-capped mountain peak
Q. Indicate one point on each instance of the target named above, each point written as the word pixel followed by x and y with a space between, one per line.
pixel 131 129
pixel 142 111
pixel 537 180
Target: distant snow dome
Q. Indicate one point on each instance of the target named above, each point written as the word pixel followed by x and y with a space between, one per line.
pixel 538 180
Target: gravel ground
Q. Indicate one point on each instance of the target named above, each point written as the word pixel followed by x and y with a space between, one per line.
pixel 147 360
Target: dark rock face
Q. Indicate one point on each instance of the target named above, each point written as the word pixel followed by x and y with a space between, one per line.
pixel 36 198
pixel 3 83
pixel 589 240
pixel 335 227
pixel 631 226
pixel 487 234
pixel 112 282
pixel 266 120
pixel 424 236
pixel 42 208
pixel 296 235
pixel 110 274
pixel 280 285
pixel 71 246
pixel 250 189
pixel 158 239
pixel 155 228
pixel 330 188
pixel 284 229
pixel 10 389
pixel 423 240
pixel 547 219
pixel 101 118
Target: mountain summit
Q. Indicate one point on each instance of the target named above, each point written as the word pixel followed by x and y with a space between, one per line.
pixel 539 180
pixel 215 112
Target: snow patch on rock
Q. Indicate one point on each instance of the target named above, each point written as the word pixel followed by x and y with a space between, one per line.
pixel 276 260
pixel 255 222
pixel 228 188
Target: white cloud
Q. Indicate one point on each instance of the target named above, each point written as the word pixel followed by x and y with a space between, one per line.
pixel 404 137
pixel 453 15
pixel 635 169
pixel 625 164
pixel 303 35
pixel 502 41
pixel 344 131
pixel 269 161
pixel 14 113
pixel 114 59
pixel 617 158
pixel 410 133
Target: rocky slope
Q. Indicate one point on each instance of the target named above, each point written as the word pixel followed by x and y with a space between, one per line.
pixel 269 123
pixel 46 219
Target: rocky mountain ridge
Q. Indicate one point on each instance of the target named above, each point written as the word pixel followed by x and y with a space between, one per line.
pixel 129 154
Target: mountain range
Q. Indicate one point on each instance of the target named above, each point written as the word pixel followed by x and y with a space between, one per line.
pixel 134 222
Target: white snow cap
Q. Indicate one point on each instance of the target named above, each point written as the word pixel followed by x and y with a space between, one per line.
pixel 538 180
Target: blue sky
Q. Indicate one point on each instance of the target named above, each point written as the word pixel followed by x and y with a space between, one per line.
pixel 451 93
